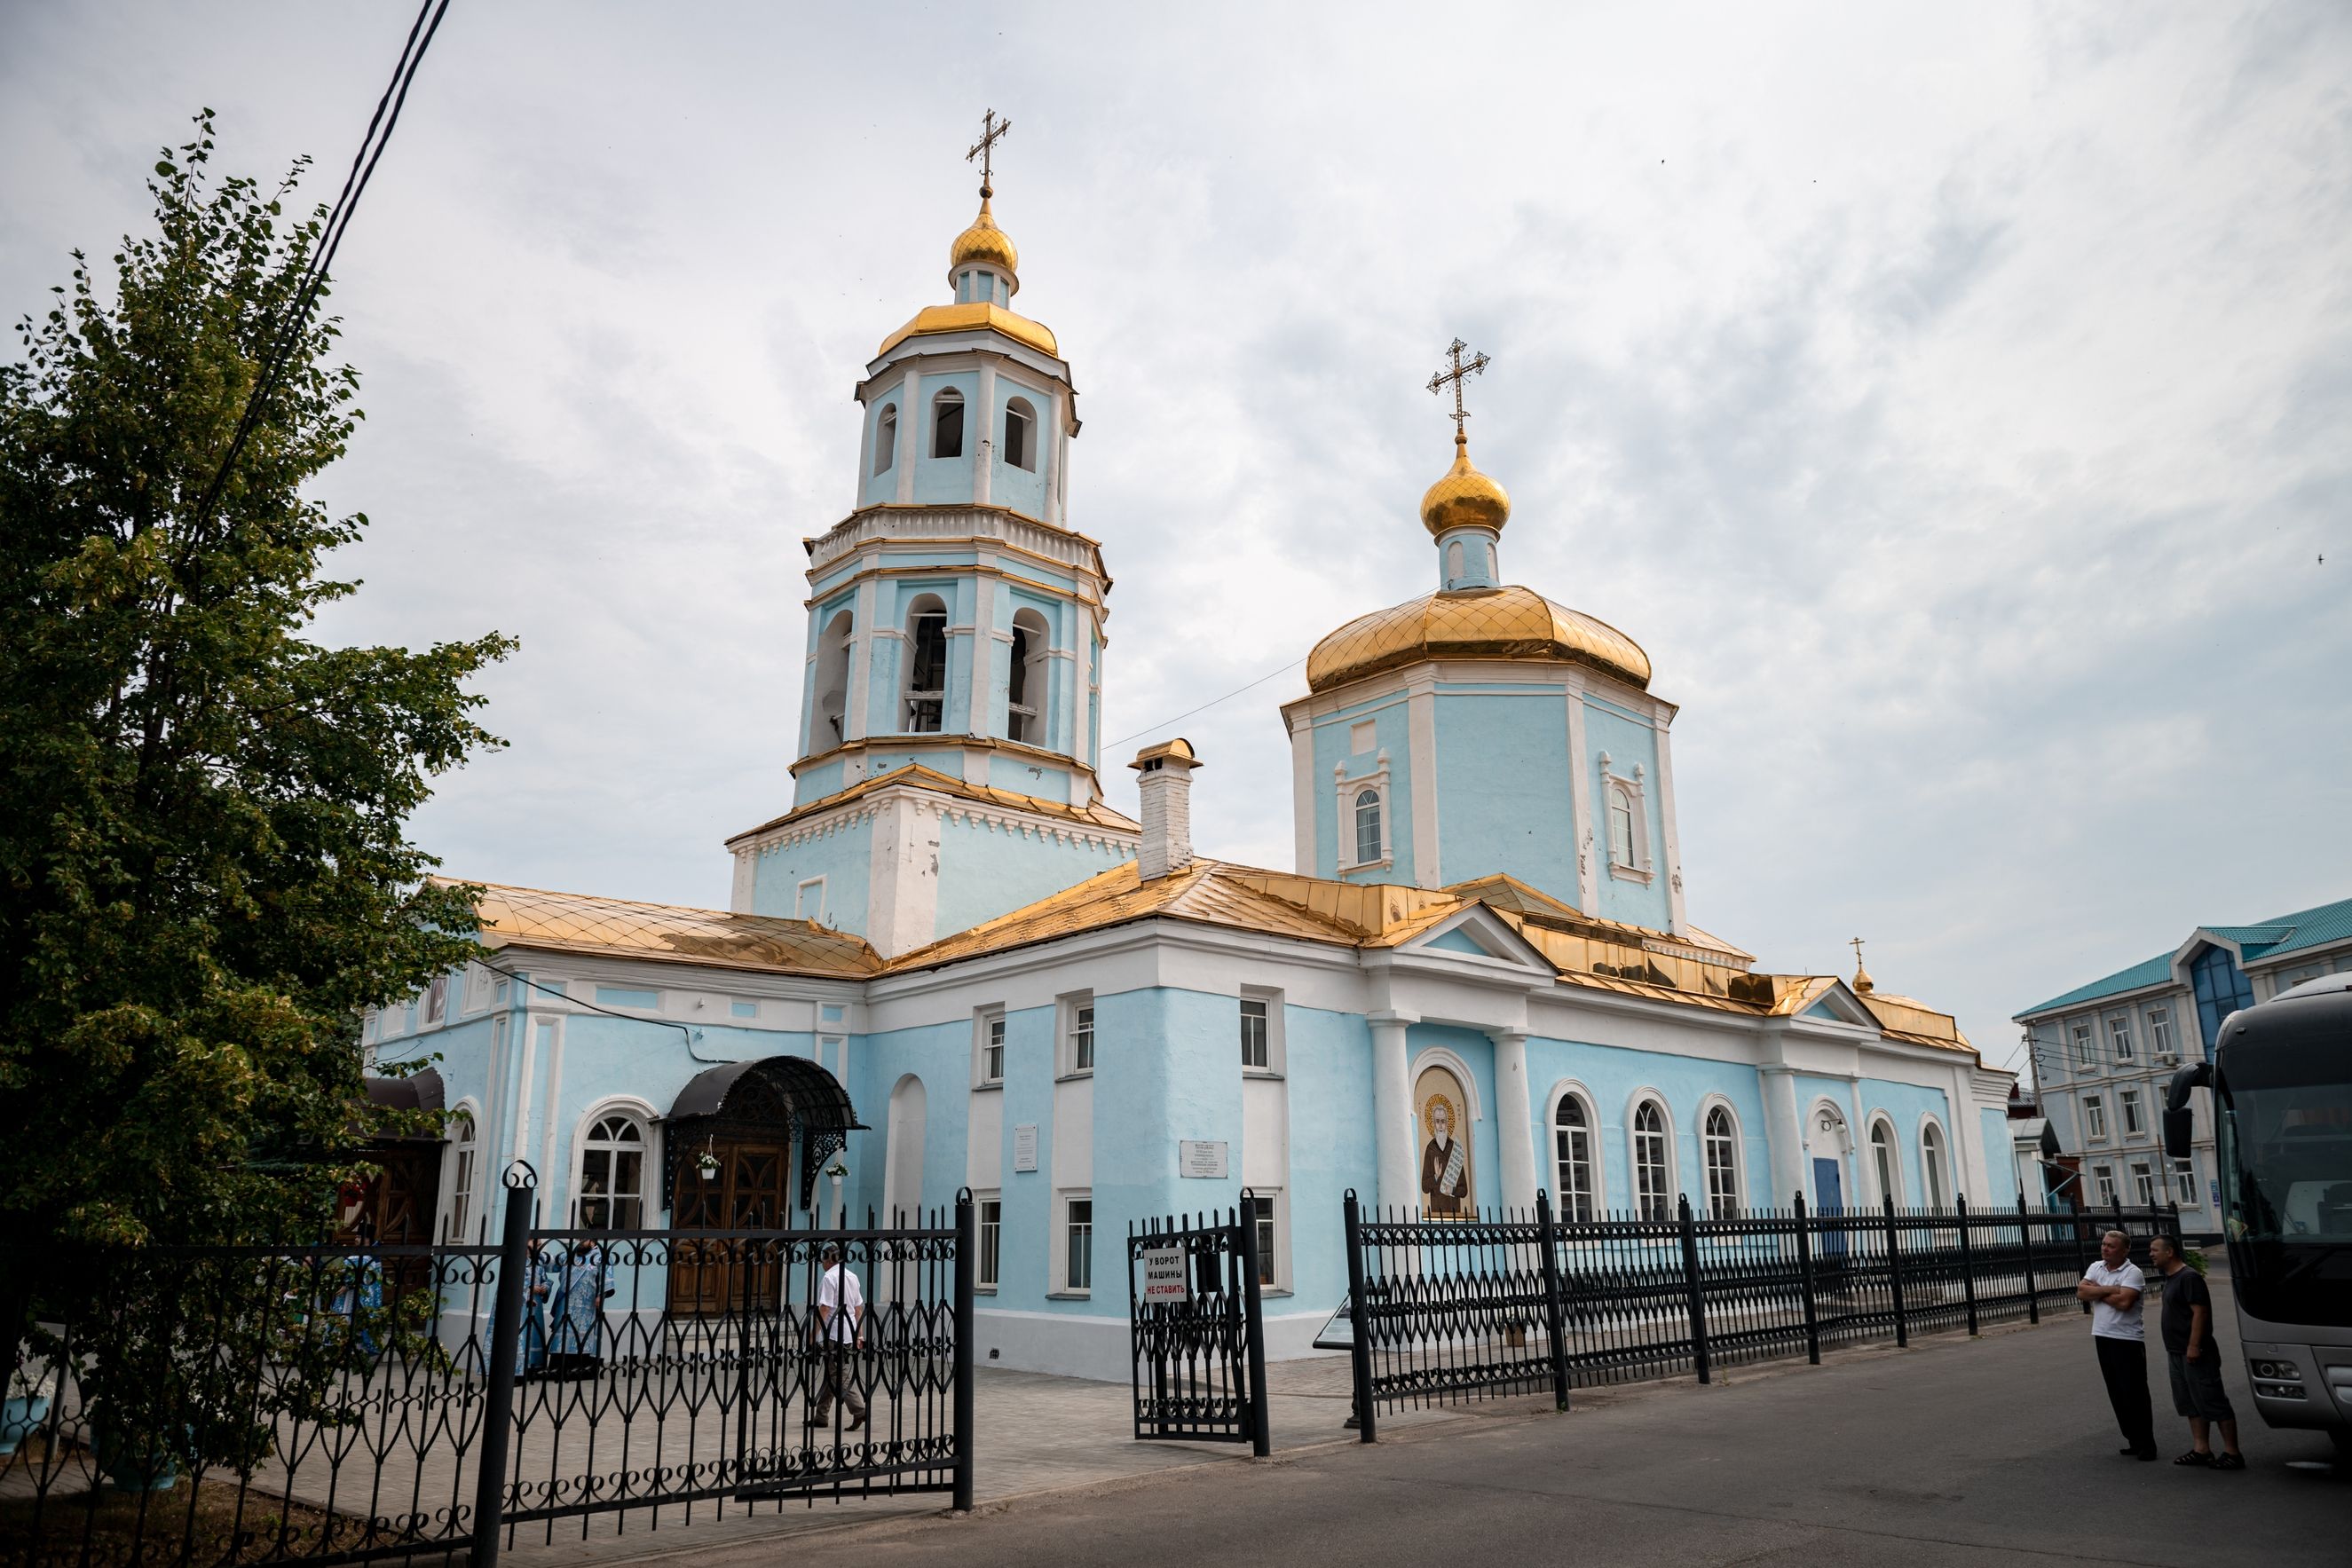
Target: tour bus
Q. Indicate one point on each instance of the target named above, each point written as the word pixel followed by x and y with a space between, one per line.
pixel 2282 1082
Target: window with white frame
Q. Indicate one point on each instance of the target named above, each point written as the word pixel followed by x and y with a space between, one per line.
pixel 1078 1034
pixel 1572 1136
pixel 2086 1053
pixel 1721 1137
pixel 436 999
pixel 1884 1161
pixel 1364 829
pixel 1256 1055
pixel 1653 1180
pixel 1077 1242
pixel 1020 437
pixel 1366 811
pixel 989 1208
pixel 1267 1238
pixel 885 438
pixel 808 900
pixel 2143 1182
pixel 2134 1124
pixel 988 1069
pixel 926 656
pixel 464 1174
pixel 2095 1116
pixel 611 1178
pixel 2159 1031
pixel 2119 1036
pixel 2184 1184
pixel 1626 820
pixel 1932 1166
pixel 947 423
pixel 2106 1179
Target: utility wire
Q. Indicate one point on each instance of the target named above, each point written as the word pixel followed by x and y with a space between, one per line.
pixel 1205 707
pixel 331 237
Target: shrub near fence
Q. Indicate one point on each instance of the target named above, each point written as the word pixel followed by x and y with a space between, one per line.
pixel 326 1404
pixel 1512 1303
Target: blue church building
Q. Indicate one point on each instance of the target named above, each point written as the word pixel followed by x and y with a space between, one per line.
pixel 950 962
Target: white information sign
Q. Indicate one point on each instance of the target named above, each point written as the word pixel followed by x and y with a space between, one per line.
pixel 1024 1147
pixel 1164 1276
pixel 1196 1158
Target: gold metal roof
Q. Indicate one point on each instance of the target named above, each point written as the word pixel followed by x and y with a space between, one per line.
pixel 1096 815
pixel 1464 498
pixel 984 241
pixel 577 923
pixel 967 317
pixel 1479 624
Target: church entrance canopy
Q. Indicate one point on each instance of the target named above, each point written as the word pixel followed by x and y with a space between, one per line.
pixel 743 1118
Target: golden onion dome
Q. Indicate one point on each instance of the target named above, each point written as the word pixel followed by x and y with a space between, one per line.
pixel 984 241
pixel 1477 623
pixel 1464 498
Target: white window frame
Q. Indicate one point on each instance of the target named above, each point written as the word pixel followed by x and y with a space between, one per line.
pixel 461 1176
pixel 2102 1177
pixel 2144 1182
pixel 1642 1208
pixel 437 1001
pixel 2184 1184
pixel 800 910
pixel 635 1113
pixel 1276 1058
pixel 1595 1172
pixel 478 991
pixel 2087 1045
pixel 1067 1009
pixel 2127 1106
pixel 1274 1210
pixel 2094 1119
pixel 988 1260
pixel 1731 1202
pixel 1344 792
pixel 2119 1038
pixel 1063 1238
pixel 2159 1032
pixel 989 1031
pixel 1635 790
pixel 1890 1180
pixel 1935 1143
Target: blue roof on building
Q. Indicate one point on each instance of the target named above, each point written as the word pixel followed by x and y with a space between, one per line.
pixel 2313 927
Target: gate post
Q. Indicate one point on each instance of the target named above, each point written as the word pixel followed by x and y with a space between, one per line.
pixel 2081 1264
pixel 1805 1279
pixel 1968 1263
pixel 966 1328
pixel 1254 1326
pixel 1359 1338
pixel 1555 1319
pixel 1894 1276
pixel 2032 1279
pixel 1690 1284
pixel 506 1336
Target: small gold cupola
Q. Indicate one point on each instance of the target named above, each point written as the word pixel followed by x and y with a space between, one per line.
pixel 1464 498
pixel 985 244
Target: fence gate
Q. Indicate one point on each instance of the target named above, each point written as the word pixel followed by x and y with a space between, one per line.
pixel 1197 1341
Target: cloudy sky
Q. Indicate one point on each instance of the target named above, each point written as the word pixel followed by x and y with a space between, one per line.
pixel 1956 401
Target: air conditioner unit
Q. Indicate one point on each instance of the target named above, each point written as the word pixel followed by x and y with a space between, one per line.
pixel 2167 1059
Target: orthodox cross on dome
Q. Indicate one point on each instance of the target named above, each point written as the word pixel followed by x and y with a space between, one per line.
pixel 991 132
pixel 1461 370
pixel 1862 981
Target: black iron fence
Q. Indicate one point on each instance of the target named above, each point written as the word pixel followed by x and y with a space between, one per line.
pixel 1514 1303
pixel 1196 1327
pixel 326 1405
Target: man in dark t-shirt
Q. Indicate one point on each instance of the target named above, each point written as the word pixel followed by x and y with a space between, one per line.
pixel 2196 1357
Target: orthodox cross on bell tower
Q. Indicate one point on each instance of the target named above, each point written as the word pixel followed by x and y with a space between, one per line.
pixel 991 132
pixel 1461 370
pixel 1862 981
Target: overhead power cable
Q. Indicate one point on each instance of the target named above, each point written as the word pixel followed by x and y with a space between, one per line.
pixel 1205 707
pixel 297 317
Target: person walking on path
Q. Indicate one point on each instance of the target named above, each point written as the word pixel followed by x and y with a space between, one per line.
pixel 2112 1286
pixel 841 1329
pixel 2195 1356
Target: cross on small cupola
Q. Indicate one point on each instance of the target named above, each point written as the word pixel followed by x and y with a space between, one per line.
pixel 1464 511
pixel 1459 371
pixel 1863 984
pixel 983 265
pixel 991 132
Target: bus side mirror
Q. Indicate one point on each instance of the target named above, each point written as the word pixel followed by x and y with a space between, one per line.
pixel 2177 1127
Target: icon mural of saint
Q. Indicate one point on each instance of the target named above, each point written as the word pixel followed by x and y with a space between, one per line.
pixel 1446 1190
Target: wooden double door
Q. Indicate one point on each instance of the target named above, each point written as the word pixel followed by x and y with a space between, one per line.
pixel 750 1190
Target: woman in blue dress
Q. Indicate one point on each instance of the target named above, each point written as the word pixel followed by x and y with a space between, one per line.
pixel 576 1311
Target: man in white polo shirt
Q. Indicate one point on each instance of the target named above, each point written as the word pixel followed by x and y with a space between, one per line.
pixel 841 1329
pixel 2112 1286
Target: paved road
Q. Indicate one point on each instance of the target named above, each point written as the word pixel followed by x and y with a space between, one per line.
pixel 1995 1450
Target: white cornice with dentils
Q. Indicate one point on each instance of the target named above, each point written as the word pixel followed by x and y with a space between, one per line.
pixel 949 808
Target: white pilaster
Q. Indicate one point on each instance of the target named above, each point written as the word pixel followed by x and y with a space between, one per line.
pixel 1393 1138
pixel 981 424
pixel 1972 1172
pixel 1514 1117
pixel 1302 793
pixel 1420 723
pixel 861 664
pixel 1579 770
pixel 983 659
pixel 1060 451
pixel 1784 1134
pixel 1672 835
pixel 911 416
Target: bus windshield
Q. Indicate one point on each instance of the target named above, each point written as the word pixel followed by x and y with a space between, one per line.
pixel 2286 1158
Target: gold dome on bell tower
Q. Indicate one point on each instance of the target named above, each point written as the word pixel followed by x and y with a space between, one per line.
pixel 1464 498
pixel 986 244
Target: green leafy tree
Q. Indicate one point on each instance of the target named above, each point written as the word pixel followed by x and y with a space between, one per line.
pixel 205 872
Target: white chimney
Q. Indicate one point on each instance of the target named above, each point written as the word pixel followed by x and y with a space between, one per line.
pixel 1167 786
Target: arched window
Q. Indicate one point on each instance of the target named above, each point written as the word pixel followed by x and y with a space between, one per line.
pixel 1368 826
pixel 885 438
pixel 1621 826
pixel 1024 692
pixel 1722 1140
pixel 612 1174
pixel 1486 554
pixel 465 1174
pixel 1931 1165
pixel 1021 435
pixel 927 664
pixel 1453 563
pixel 832 684
pixel 1650 1179
pixel 947 424
pixel 1882 1155
pixel 1573 1145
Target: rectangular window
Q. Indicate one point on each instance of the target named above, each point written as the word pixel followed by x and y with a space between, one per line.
pixel 992 1052
pixel 2107 1179
pixel 1079 1256
pixel 2143 1183
pixel 991 1240
pixel 1082 1038
pixel 2159 1030
pixel 1265 1253
pixel 2085 1052
pixel 2184 1183
pixel 436 999
pixel 2095 1117
pixel 2119 1036
pixel 2133 1125
pixel 1254 1047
